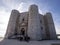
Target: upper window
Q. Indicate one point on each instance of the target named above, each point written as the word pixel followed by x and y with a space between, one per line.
pixel 41 28
pixel 23 19
pixel 40 21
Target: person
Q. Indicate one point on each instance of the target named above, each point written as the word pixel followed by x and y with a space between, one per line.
pixel 26 38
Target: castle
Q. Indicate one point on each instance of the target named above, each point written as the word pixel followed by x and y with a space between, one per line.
pixel 31 25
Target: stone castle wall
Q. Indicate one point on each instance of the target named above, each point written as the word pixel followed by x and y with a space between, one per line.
pixel 37 26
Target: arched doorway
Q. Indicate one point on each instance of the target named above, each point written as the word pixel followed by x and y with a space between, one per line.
pixel 22 31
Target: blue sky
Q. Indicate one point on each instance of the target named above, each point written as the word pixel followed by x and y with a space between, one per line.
pixel 44 6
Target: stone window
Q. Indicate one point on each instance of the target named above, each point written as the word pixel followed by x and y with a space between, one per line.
pixel 41 28
pixel 40 21
pixel 23 19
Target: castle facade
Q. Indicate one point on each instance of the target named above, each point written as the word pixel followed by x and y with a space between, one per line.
pixel 31 24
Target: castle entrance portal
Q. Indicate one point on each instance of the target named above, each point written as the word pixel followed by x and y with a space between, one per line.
pixel 23 31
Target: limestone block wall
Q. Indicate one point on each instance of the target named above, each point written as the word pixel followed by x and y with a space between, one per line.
pixel 12 23
pixel 23 24
pixel 23 15
pixel 42 26
pixel 50 27
pixel 34 30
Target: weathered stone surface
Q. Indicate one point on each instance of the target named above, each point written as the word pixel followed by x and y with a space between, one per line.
pixel 34 30
pixel 12 23
pixel 35 25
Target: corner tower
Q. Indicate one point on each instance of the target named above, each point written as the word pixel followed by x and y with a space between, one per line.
pixel 34 31
pixel 12 23
pixel 49 26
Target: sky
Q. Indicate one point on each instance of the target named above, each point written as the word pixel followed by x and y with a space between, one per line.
pixel 6 6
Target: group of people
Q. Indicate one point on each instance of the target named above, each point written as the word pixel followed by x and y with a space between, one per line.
pixel 23 37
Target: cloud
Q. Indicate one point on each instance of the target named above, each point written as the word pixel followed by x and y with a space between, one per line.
pixel 40 11
pixel 57 28
pixel 10 4
pixel 23 7
pixel 20 7
pixel 4 17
